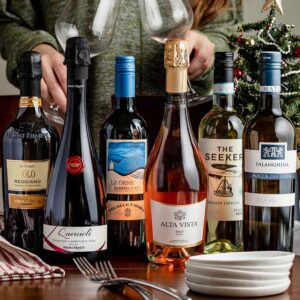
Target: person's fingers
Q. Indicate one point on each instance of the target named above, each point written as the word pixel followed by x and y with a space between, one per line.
pixel 61 74
pixel 191 41
pixel 54 87
pixel 197 65
pixel 45 93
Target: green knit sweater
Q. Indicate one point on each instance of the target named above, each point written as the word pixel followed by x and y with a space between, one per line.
pixel 24 24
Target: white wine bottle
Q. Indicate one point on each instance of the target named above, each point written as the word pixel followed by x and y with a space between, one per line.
pixel 220 142
pixel 269 167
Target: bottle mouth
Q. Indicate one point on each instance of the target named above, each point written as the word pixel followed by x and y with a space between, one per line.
pixel 30 65
pixel 270 60
pixel 77 52
pixel 224 60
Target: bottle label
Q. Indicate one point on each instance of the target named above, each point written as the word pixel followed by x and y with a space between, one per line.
pixel 275 89
pixel 269 200
pixel 27 175
pixel 74 165
pixel 223 88
pixel 30 102
pixel 125 166
pixel 271 162
pixel 125 210
pixel 27 201
pixel 224 161
pixel 75 239
pixel 178 225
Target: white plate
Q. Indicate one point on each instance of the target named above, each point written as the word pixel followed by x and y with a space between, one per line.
pixel 262 258
pixel 225 282
pixel 238 291
pixel 223 272
pixel 274 268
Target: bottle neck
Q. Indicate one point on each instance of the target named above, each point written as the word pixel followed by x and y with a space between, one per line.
pixel 270 88
pixel 124 104
pixel 176 117
pixel 30 97
pixel 223 88
pixel 224 101
pixel 76 105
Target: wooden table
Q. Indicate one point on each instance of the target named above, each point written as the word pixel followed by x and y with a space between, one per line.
pixel 75 287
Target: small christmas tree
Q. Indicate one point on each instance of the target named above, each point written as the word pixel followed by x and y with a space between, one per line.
pixel 267 35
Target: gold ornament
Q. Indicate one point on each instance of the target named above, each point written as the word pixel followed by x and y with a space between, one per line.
pixel 276 3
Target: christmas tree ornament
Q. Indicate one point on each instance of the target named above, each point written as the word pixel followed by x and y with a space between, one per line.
pixel 297 51
pixel 238 73
pixel 273 3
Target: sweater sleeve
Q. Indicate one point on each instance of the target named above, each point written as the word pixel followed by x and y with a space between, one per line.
pixel 20 30
pixel 217 32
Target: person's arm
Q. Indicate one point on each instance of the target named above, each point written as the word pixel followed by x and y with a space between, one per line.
pixel 20 31
pixel 211 38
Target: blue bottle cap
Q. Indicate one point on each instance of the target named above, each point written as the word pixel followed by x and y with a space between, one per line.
pixel 270 60
pixel 125 76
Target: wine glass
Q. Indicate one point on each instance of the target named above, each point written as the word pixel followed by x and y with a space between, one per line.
pixel 164 19
pixel 98 27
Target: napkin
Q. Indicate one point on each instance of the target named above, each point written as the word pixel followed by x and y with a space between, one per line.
pixel 19 264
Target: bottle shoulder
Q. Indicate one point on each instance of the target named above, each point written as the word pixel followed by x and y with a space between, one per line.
pixel 269 128
pixel 221 124
pixel 124 124
pixel 175 164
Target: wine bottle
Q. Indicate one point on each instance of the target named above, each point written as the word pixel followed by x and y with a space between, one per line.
pixel 269 167
pixel 75 214
pixel 29 148
pixel 220 142
pixel 123 152
pixel 175 176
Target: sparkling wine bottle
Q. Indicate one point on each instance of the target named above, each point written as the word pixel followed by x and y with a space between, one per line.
pixel 269 167
pixel 175 176
pixel 220 142
pixel 123 152
pixel 29 148
pixel 75 214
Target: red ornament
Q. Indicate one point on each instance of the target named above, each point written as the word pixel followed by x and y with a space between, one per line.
pixel 238 73
pixel 297 52
pixel 239 40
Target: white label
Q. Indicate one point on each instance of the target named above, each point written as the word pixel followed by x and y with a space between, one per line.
pixel 270 89
pixel 224 158
pixel 178 225
pixel 223 88
pixel 269 200
pixel 272 161
pixel 75 239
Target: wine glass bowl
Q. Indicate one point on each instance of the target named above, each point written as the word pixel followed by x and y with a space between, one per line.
pixel 98 26
pixel 164 19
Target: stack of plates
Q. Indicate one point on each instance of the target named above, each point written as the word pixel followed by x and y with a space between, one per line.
pixel 240 274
